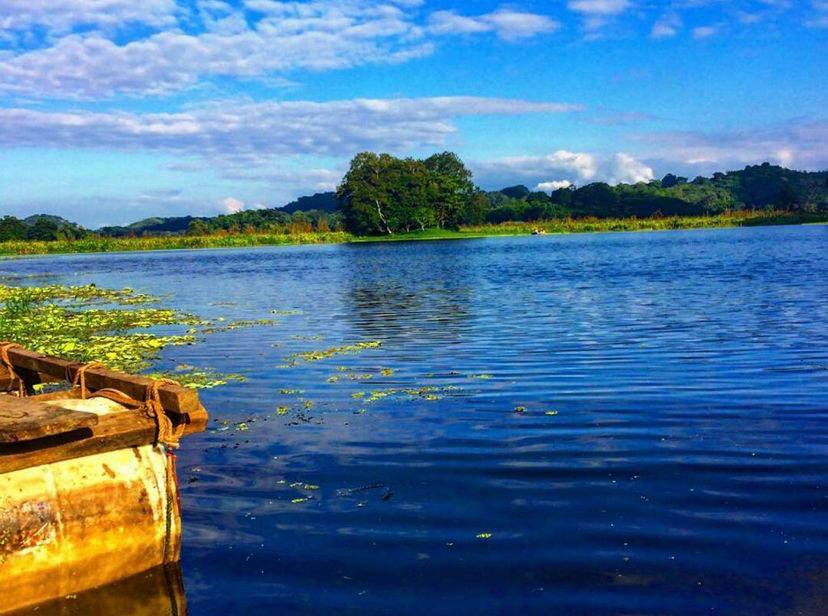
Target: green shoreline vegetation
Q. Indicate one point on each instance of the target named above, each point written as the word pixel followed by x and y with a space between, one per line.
pixel 382 197
pixel 99 244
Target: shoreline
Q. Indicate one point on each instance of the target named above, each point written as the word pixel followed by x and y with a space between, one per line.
pixel 105 245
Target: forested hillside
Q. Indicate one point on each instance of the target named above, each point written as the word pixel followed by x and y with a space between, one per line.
pixel 383 195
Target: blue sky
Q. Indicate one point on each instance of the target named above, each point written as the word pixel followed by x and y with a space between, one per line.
pixel 115 110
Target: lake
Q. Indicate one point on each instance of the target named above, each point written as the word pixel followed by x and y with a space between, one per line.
pixel 631 423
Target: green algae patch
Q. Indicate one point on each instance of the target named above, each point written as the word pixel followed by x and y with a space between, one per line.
pixel 199 379
pixel 119 327
pixel 406 393
pixel 349 349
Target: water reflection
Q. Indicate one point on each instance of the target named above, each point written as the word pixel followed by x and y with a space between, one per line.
pixel 158 592
pixel 395 293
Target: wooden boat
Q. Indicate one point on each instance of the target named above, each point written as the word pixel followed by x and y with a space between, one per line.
pixel 88 491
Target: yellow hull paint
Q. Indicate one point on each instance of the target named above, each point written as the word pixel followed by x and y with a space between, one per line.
pixel 74 525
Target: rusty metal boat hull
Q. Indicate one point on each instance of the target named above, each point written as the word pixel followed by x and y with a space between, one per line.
pixel 88 492
pixel 76 524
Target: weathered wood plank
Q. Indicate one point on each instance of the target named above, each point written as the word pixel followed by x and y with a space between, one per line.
pixel 174 398
pixel 25 420
pixel 115 431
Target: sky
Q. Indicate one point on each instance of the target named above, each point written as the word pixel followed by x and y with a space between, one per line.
pixel 112 111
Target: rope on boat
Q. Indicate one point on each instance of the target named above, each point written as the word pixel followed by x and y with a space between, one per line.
pixel 5 347
pixel 79 382
pixel 166 433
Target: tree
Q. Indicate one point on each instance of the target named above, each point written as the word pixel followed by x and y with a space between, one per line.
pixel 43 230
pixel 475 211
pixel 452 188
pixel 516 192
pixel 363 196
pixel 12 228
pixel 671 180
pixel 198 227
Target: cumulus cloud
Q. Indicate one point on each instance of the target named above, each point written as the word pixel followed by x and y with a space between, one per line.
pixel 256 39
pixel 569 167
pixel 549 187
pixel 795 144
pixel 625 168
pixel 93 66
pixel 508 24
pixel 249 130
pixel 599 7
pixel 231 205
pixel 703 32
pixel 59 16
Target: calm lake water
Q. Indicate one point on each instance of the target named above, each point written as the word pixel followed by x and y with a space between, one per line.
pixel 671 457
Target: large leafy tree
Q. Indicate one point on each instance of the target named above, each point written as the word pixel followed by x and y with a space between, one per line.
pixel 364 196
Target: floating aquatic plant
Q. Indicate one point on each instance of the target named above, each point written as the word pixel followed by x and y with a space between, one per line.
pixel 411 393
pixel 89 323
pixel 350 349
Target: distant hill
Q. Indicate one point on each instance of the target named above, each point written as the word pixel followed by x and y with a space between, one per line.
pixel 322 202
pixel 48 227
pixel 176 225
pixel 60 222
pixel 151 226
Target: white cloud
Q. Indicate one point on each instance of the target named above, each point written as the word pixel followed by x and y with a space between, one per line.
pixel 795 144
pixel 251 131
pixel 91 66
pixel 549 187
pixel 703 32
pixel 818 15
pixel 599 7
pixel 624 168
pixel 569 167
pixel 666 27
pixel 59 16
pixel 231 205
pixel 259 39
pixel 508 24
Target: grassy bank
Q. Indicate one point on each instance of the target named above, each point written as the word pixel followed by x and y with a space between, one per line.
pixel 171 242
pixel 588 225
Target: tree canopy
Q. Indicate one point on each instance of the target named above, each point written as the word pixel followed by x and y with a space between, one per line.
pixel 381 194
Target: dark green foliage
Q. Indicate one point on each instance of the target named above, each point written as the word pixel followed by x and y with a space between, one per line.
pixel 151 226
pixel 757 187
pixel 42 227
pixel 450 188
pixel 515 192
pixel 382 194
pixel 322 202
pixel 766 185
pixel 12 228
pixel 198 227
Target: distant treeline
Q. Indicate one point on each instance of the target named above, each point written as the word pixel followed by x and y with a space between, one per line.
pixel 41 227
pixel 383 195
